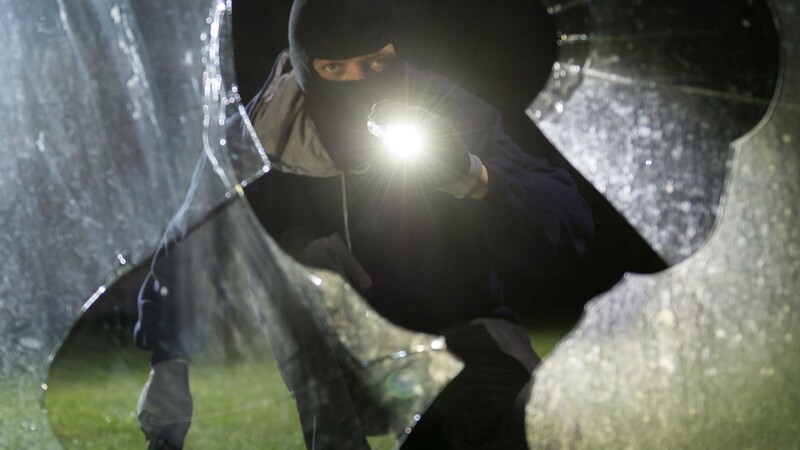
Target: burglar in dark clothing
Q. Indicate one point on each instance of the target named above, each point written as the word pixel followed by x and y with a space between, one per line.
pixel 423 239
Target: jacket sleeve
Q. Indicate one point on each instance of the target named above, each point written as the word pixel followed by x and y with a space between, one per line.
pixel 532 215
pixel 157 328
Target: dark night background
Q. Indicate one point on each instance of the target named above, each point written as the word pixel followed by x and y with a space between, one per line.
pixel 501 51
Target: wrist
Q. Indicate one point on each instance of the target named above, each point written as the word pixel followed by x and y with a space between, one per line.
pixel 482 186
pixel 469 184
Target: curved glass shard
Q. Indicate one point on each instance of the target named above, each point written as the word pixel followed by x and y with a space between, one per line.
pixel 104 118
pixel 117 109
pixel 646 99
pixel 704 355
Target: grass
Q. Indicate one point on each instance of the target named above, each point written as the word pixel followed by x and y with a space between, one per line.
pixel 94 387
pixel 91 403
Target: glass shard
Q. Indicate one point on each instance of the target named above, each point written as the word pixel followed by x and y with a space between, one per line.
pixel 703 355
pixel 119 127
pixel 646 99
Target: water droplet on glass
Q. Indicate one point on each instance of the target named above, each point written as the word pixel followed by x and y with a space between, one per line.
pixel 40 142
pixel 121 259
pixel 31 343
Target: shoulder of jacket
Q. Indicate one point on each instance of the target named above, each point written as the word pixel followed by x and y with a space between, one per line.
pixel 287 133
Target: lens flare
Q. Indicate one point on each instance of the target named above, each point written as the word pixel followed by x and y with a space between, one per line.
pixel 403 140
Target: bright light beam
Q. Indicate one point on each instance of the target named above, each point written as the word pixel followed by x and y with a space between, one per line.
pixel 401 139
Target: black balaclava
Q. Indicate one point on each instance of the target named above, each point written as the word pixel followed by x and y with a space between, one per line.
pixel 334 30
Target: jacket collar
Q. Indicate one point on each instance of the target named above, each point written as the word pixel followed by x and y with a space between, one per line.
pixel 286 131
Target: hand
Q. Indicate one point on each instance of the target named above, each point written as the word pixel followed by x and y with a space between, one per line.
pixel 331 253
pixel 443 158
pixel 165 405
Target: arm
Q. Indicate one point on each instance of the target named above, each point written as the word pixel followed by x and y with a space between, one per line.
pixel 157 328
pixel 165 405
pixel 530 212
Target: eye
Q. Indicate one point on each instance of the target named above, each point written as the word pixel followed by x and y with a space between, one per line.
pixel 379 64
pixel 331 67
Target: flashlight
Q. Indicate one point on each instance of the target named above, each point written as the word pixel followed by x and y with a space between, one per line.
pixel 401 138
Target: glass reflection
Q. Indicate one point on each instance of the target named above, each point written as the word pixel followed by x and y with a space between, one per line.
pixel 233 318
pixel 646 100
pixel 703 355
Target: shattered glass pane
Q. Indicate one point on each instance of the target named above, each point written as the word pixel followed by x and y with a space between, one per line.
pixel 703 355
pixel 121 119
pixel 646 99
pixel 94 160
pixel 253 319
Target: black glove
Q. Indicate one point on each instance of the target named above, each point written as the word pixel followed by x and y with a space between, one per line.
pixel 165 405
pixel 443 158
pixel 331 253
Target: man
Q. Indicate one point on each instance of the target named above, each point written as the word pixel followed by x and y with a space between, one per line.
pixel 423 239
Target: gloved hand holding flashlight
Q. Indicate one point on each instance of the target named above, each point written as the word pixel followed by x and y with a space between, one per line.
pixel 430 142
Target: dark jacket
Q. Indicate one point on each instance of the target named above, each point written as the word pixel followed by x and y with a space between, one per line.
pixel 432 258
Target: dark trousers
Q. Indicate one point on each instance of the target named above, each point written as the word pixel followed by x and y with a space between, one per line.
pixel 484 406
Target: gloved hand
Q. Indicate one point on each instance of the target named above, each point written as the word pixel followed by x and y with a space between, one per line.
pixel 443 158
pixel 165 405
pixel 331 253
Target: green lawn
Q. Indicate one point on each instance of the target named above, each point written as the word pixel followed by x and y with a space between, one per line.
pixel 91 403
pixel 93 390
